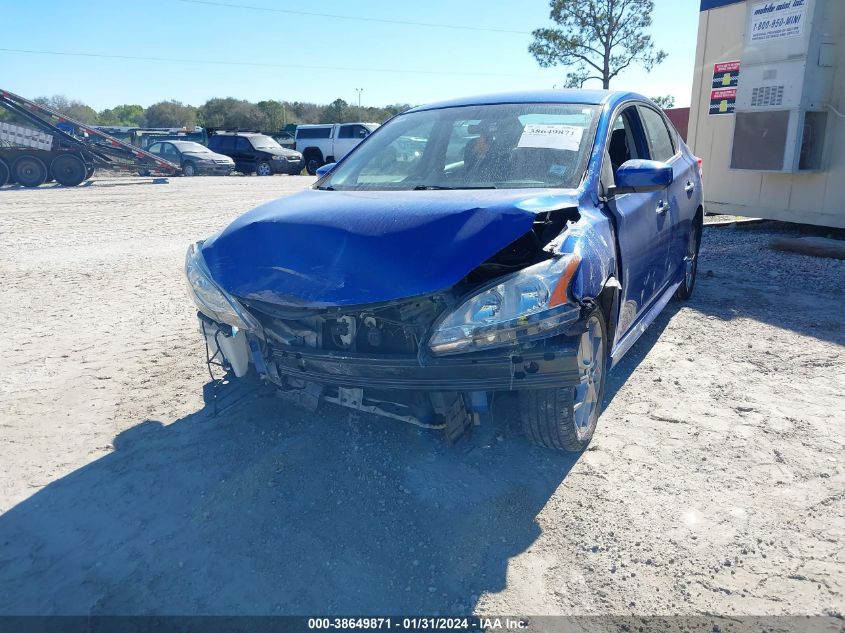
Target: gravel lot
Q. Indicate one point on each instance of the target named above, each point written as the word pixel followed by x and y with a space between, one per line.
pixel 715 482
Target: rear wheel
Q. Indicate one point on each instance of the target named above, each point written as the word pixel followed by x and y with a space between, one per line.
pixel 684 291
pixel 4 172
pixel 30 171
pixel 68 170
pixel 565 418
pixel 263 169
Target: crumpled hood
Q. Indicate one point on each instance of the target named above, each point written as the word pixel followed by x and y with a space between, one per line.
pixel 331 248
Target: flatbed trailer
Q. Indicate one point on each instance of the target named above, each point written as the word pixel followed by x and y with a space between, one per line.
pixel 75 149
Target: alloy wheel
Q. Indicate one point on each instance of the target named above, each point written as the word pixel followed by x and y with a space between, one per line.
pixel 591 367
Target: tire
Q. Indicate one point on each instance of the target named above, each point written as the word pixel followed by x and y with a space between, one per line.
pixel 263 168
pixel 313 161
pixel 684 291
pixel 30 171
pixel 89 172
pixel 4 172
pixel 565 418
pixel 68 170
pixel 189 169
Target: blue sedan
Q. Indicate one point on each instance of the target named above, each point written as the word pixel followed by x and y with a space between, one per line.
pixel 517 242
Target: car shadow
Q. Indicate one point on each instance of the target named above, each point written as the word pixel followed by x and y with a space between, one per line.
pixel 268 509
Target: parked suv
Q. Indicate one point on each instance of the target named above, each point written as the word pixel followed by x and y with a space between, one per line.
pixel 321 144
pixel 256 153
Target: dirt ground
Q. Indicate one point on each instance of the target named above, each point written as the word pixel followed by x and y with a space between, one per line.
pixel 715 482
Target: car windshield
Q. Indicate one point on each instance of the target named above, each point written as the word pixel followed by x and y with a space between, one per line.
pixel 503 146
pixel 264 142
pixel 190 146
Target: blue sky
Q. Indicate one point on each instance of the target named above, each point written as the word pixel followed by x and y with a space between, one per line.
pixel 342 54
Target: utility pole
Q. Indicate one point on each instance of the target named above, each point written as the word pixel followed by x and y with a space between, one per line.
pixel 359 91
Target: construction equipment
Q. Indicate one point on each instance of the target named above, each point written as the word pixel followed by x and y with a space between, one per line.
pixel 62 149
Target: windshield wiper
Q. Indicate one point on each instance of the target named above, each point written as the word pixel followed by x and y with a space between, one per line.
pixel 326 188
pixel 442 187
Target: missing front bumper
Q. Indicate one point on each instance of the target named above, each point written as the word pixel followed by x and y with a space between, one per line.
pixel 551 365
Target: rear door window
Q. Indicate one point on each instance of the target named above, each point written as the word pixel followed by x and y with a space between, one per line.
pixel 660 142
pixel 223 143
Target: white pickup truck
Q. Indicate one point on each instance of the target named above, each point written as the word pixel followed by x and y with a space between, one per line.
pixel 321 144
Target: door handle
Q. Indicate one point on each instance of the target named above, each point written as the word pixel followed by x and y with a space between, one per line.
pixel 662 207
pixel 690 186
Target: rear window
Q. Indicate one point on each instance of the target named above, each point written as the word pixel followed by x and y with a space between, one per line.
pixel 314 132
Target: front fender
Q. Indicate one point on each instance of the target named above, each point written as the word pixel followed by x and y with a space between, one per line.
pixel 591 238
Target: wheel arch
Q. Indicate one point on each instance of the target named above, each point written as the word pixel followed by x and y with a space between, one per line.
pixel 310 151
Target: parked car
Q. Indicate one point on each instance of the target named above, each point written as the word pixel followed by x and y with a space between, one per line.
pixel 526 248
pixel 255 153
pixel 195 159
pixel 321 144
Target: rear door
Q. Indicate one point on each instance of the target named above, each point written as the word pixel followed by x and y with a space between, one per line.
pixel 641 222
pixel 664 146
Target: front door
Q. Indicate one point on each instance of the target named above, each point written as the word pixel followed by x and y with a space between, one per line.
pixel 244 154
pixel 348 136
pixel 642 223
pixel 664 147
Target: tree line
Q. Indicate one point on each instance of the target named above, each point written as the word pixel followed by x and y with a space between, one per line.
pixel 221 113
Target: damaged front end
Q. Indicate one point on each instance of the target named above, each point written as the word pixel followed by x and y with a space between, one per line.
pixel 433 360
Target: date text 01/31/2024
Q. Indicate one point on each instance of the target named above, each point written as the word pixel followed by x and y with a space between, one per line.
pixel 417 623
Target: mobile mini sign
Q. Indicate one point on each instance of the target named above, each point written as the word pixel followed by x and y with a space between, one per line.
pixel 777 20
pixel 723 90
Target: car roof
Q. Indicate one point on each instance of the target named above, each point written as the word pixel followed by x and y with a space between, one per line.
pixel 333 124
pixel 576 96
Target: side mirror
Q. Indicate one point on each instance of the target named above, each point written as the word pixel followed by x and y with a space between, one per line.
pixel 642 176
pixel 322 171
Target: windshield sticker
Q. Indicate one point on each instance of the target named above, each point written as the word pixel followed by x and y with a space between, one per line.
pixel 566 137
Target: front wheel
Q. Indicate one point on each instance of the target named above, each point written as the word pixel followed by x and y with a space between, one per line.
pixel 684 291
pixel 263 169
pixel 565 418
pixel 189 169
